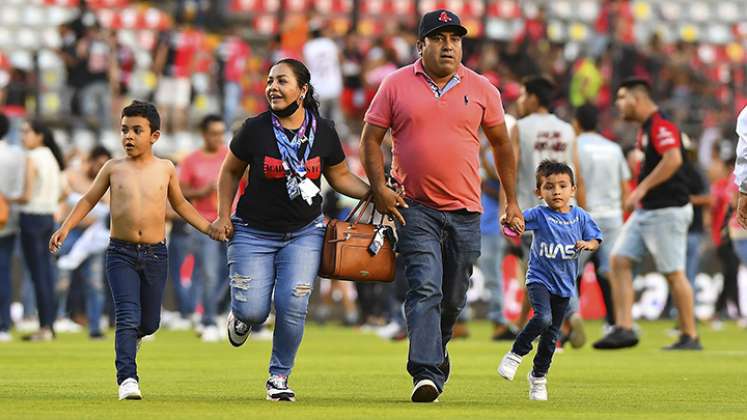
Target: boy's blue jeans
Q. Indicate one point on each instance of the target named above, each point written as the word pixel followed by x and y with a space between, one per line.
pixel 438 250
pixel 549 311
pixel 264 264
pixel 137 276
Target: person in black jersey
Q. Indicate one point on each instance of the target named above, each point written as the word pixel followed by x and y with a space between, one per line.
pixel 278 228
pixel 658 225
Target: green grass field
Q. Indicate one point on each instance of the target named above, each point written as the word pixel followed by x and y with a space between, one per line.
pixel 343 373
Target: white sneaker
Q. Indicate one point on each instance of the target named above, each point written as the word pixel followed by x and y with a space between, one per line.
pixel 180 324
pixel 508 366
pixel 277 389
pixel 238 332
pixel 537 388
pixel 129 389
pixel 389 330
pixel 210 334
pixel 5 337
pixel 425 391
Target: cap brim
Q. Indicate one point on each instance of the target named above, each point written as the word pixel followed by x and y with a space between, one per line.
pixel 459 30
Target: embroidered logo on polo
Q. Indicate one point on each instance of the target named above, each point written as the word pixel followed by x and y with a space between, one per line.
pixel 273 168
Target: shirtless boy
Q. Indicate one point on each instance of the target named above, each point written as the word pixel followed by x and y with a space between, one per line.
pixel 136 260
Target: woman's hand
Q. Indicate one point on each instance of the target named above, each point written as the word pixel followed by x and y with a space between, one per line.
pixel 221 229
pixel 56 241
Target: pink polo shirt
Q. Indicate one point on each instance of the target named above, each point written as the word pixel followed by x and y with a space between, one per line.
pixel 436 146
pixel 199 169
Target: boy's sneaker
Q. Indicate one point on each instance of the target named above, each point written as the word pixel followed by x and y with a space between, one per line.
pixel 129 389
pixel 619 338
pixel 238 332
pixel 537 388
pixel 685 342
pixel 508 366
pixel 277 389
pixel 445 367
pixel 5 337
pixel 425 391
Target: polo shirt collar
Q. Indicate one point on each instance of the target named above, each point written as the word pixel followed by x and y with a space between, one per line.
pixel 419 69
pixel 437 91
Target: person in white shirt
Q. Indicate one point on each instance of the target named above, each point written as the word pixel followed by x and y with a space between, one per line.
pixel 740 168
pixel 322 57
pixel 12 164
pixel 539 135
pixel 603 161
pixel 40 200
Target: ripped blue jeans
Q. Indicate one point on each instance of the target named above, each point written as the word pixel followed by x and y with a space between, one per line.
pixel 263 263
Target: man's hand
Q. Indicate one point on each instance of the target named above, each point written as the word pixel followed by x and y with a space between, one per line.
pixel 221 229
pixel 513 218
pixel 56 241
pixel 742 210
pixel 634 198
pixel 388 202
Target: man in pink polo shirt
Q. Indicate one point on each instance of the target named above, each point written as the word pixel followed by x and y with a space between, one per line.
pixel 435 109
pixel 198 178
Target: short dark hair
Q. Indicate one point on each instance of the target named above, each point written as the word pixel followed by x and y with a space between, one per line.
pixel 586 116
pixel 636 83
pixel 99 151
pixel 146 110
pixel 552 167
pixel 209 119
pixel 542 87
pixel 4 125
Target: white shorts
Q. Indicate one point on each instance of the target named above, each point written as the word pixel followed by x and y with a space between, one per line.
pixel 173 91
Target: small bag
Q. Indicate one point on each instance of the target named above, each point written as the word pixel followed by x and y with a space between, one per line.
pixel 358 251
pixel 4 211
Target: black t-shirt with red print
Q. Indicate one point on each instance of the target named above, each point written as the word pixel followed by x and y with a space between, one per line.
pixel 657 136
pixel 265 204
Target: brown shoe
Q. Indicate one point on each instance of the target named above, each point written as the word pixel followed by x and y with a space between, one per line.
pixel 460 330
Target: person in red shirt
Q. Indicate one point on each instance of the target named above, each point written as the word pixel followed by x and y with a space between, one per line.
pixel 198 178
pixel 659 222
pixel 435 109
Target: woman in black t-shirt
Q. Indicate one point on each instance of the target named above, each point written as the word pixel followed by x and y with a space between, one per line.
pixel 277 231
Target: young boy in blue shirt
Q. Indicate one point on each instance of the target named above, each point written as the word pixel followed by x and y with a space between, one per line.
pixel 561 232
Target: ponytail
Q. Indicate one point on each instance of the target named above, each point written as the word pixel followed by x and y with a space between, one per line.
pixel 48 141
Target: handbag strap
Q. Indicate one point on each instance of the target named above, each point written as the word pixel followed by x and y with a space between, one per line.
pixel 359 209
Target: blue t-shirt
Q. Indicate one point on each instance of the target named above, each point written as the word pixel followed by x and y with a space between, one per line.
pixel 553 259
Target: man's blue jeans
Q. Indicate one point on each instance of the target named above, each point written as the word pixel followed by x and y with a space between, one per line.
pixel 7 244
pixel 439 249
pixel 179 246
pixel 137 275
pixel 210 258
pixel 263 263
pixel 491 265
pixel 549 311
pixel 36 229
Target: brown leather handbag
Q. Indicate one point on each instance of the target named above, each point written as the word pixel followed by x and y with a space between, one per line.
pixel 358 251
